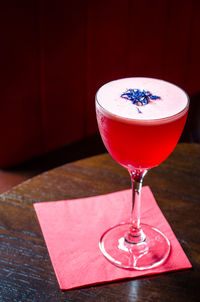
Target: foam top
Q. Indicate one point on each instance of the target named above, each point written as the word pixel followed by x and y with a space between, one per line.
pixel 173 99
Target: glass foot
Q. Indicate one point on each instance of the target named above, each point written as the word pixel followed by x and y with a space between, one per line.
pixel 150 253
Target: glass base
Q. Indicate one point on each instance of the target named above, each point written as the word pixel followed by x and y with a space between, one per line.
pixel 150 253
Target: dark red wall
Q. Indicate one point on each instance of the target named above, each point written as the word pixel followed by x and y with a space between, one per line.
pixel 54 55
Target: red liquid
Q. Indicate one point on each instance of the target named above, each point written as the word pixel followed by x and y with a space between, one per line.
pixel 140 145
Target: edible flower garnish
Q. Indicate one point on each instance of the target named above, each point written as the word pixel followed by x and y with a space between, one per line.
pixel 139 97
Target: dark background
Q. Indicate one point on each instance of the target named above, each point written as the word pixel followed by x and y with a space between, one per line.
pixel 54 55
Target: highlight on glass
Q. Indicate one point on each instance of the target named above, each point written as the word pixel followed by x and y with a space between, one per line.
pixel 140 121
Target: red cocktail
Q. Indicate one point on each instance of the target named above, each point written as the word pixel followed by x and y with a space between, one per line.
pixel 140 121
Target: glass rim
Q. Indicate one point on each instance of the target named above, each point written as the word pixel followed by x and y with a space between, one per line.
pixel 163 119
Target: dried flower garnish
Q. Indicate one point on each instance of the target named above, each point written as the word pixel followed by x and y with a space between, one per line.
pixel 139 97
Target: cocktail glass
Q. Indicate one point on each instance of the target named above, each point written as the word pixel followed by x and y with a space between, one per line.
pixel 138 145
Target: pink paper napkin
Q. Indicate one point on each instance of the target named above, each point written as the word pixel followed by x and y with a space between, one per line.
pixel 72 228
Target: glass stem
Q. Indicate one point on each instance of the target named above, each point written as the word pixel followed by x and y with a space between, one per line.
pixel 135 234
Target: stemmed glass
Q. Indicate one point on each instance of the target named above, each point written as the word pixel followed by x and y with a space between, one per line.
pixel 140 121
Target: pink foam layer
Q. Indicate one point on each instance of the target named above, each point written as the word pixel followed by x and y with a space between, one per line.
pixel 173 100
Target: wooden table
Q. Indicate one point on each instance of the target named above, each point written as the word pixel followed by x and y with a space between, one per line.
pixel 26 273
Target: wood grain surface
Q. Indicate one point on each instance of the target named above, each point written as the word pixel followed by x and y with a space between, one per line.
pixel 26 272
